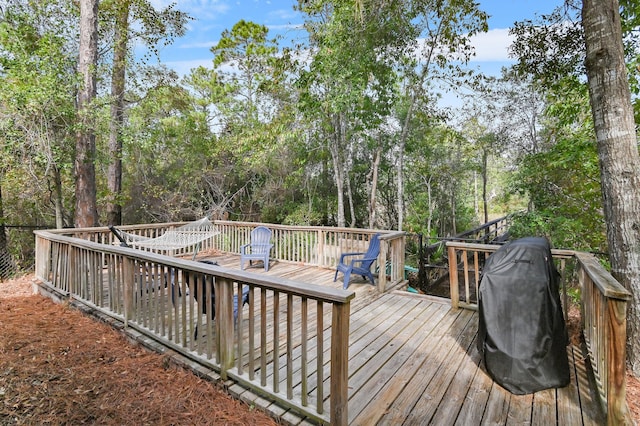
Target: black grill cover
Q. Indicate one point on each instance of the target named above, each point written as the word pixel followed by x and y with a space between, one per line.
pixel 521 332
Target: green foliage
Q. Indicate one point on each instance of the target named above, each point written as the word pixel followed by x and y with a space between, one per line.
pixel 303 215
pixel 37 92
pixel 575 294
pixel 259 136
pixel 630 16
pixel 563 185
pixel 562 177
pixel 167 156
pixel 552 48
pixel 439 180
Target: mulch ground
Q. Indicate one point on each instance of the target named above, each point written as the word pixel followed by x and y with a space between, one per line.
pixel 59 366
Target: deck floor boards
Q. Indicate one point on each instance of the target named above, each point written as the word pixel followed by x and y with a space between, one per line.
pixel 412 360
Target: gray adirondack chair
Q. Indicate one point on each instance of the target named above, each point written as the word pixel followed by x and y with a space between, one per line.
pixel 258 249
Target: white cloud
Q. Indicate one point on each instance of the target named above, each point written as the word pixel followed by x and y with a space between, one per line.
pixel 184 67
pixel 281 27
pixel 284 14
pixel 199 9
pixel 197 45
pixel 492 46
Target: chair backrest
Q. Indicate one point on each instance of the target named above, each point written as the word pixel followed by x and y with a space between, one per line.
pixel 260 239
pixel 374 247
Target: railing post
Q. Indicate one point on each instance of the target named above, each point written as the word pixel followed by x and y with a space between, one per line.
pixel 43 258
pixel 322 257
pixel 382 265
pixel 224 320
pixel 340 364
pixel 75 273
pixel 129 283
pixel 401 247
pixel 616 353
pixel 453 277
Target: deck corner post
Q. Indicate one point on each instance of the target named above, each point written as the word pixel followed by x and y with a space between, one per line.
pixel 617 410
pixel 453 277
pixel 382 265
pixel 43 258
pixel 340 364
pixel 401 256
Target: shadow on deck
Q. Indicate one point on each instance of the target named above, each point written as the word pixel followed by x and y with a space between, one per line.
pixel 413 360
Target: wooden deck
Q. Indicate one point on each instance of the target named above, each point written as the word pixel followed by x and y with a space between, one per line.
pixel 413 360
pixel 410 359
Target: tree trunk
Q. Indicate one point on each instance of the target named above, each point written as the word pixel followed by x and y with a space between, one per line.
pixel 400 178
pixel 325 184
pixel 431 207
pixel 86 214
pixel 3 235
pixel 338 165
pixel 59 206
pixel 415 92
pixel 352 209
pixel 454 226
pixel 114 173
pixel 374 187
pixel 476 203
pixel 485 177
pixel 617 153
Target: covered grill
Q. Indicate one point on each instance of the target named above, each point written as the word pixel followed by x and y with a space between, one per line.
pixel 522 334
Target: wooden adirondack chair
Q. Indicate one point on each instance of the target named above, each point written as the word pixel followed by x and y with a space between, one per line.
pixel 258 249
pixel 360 263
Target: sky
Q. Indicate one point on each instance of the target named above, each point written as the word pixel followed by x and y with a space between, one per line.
pixel 211 17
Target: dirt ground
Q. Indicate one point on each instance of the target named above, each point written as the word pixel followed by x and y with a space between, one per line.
pixel 58 366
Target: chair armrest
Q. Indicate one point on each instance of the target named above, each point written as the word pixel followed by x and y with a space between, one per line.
pixel 255 248
pixel 343 255
pixel 261 247
pixel 366 259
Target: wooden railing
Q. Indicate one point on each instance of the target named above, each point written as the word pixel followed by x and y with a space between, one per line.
pixel 603 310
pixel 485 233
pixel 290 341
pixel 604 314
pixel 321 246
pixel 309 245
pixel 436 272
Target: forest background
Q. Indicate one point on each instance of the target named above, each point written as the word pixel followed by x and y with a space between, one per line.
pixel 343 129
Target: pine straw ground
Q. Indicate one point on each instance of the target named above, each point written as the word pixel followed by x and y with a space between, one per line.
pixel 59 366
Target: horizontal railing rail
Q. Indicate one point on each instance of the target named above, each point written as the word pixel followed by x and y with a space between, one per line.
pixel 309 245
pixel 603 310
pixel 485 233
pixel 465 267
pixel 104 235
pixel 281 338
pixel 432 270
